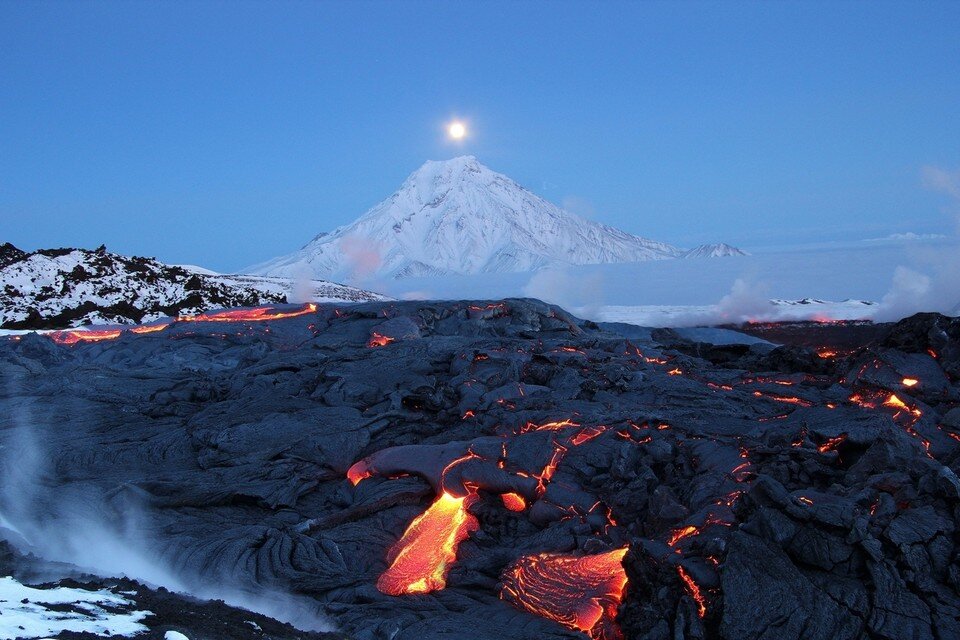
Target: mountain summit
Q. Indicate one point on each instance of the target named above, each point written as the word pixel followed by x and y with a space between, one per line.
pixel 459 217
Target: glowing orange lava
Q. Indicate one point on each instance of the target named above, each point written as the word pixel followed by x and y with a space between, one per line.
pixel 587 435
pixel 787 399
pixel 694 590
pixel 680 534
pixel 377 340
pixel 421 559
pixel 256 314
pixel 579 592
pixel 549 426
pixel 359 471
pixel 895 402
pixel 832 443
pixel 909 382
pixel 514 501
pixel 148 328
pixel 92 335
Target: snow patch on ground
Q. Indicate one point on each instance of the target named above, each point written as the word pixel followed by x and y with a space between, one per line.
pixel 26 612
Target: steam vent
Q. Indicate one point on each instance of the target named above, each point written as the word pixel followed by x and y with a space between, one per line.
pixel 495 470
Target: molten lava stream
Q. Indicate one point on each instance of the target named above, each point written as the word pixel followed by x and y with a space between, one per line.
pixel 91 335
pixel 579 592
pixel 514 502
pixel 148 328
pixel 694 590
pixel 421 559
pixel 249 315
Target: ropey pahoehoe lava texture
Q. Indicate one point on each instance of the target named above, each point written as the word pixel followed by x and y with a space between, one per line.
pixel 504 470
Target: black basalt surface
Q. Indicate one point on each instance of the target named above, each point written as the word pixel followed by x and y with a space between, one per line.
pixel 763 492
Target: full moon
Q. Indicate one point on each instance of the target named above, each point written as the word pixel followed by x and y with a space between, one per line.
pixel 457 130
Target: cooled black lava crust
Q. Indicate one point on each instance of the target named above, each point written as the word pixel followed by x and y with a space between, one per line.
pixel 808 503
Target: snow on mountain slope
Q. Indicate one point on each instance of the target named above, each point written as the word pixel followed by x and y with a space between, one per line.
pixel 720 250
pixel 61 288
pixel 459 217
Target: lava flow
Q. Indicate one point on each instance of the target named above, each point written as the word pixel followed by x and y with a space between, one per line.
pixel 513 501
pixel 420 560
pixel 694 590
pixel 377 340
pixel 256 314
pixel 92 335
pixel 148 328
pixel 579 592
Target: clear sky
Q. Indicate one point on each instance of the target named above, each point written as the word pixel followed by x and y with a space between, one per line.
pixel 223 134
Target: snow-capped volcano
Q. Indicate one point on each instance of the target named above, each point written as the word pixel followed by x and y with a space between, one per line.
pixel 719 250
pixel 459 217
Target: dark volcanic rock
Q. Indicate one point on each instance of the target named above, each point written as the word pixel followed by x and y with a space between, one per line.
pixel 763 492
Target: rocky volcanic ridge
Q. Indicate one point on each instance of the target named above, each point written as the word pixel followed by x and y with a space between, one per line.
pixel 62 288
pixel 504 470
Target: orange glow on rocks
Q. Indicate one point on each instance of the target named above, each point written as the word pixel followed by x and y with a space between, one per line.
pixel 378 340
pixel 786 399
pixel 579 592
pixel 549 426
pixel 694 590
pixel 544 477
pixel 587 435
pixel 92 335
pixel 421 559
pixel 148 328
pixel 832 443
pixel 359 471
pixel 909 382
pixel 680 534
pixel 896 403
pixel 256 314
pixel 514 502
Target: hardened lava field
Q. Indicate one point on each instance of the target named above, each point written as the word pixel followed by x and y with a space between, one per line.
pixel 501 469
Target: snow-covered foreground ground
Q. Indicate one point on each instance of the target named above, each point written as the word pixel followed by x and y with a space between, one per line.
pixel 26 612
pixel 896 278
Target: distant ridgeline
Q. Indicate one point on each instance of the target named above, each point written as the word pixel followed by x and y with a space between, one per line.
pixel 61 288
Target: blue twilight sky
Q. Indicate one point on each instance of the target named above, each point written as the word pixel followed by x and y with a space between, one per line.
pixel 226 133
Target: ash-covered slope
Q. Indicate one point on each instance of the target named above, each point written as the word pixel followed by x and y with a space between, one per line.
pixel 502 471
pixel 459 217
pixel 61 288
